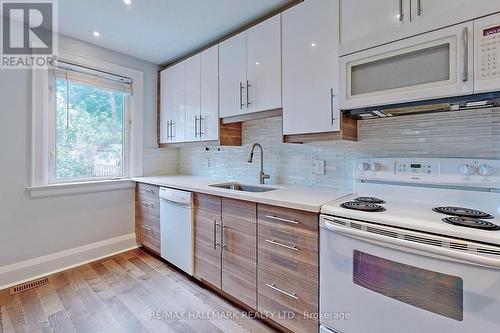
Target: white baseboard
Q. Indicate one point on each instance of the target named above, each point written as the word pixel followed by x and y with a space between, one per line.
pixel 24 271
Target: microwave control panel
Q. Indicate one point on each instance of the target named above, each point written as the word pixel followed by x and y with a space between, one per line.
pixel 489 52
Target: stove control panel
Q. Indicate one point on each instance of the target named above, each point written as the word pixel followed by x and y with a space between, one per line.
pixel 478 173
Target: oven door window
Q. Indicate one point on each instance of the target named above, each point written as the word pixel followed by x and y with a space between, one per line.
pixel 432 291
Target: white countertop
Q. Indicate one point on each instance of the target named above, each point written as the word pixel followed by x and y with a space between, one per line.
pixel 297 197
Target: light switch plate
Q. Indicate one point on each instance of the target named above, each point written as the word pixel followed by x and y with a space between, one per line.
pixel 319 167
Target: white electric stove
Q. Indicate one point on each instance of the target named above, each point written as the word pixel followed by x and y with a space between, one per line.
pixel 416 248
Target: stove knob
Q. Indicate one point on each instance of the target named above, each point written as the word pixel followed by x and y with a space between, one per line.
pixel 375 166
pixel 364 166
pixel 485 170
pixel 467 170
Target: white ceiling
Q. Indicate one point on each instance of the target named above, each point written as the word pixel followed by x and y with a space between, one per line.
pixel 159 31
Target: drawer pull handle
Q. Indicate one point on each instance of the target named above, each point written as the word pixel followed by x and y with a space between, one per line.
pixel 147 204
pixel 294 247
pixel 146 227
pixel 150 190
pixel 273 287
pixel 272 217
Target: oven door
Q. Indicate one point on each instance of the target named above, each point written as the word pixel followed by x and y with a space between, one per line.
pixel 372 282
pixel 430 66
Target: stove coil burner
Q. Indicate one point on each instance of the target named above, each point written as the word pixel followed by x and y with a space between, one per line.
pixel 362 206
pixel 471 223
pixel 369 200
pixel 463 212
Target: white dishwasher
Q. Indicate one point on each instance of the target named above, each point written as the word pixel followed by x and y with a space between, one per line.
pixel 176 228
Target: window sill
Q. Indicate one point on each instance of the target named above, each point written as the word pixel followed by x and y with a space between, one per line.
pixel 55 190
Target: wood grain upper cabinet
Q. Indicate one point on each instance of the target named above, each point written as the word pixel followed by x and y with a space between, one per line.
pixel 209 99
pixel 367 23
pixel 310 67
pixel 264 65
pixel 173 106
pixel 232 75
pixel 250 70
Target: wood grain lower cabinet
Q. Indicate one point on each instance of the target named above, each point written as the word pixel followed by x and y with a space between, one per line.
pixel 207 248
pixel 239 250
pixel 147 217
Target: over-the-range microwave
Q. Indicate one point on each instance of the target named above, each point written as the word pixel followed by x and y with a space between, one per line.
pixel 427 72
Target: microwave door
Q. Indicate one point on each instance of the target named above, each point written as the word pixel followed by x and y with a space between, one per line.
pixel 429 66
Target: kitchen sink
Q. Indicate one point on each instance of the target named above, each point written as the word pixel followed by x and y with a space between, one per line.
pixel 244 188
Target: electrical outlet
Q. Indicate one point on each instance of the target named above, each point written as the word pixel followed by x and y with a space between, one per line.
pixel 319 167
pixel 207 163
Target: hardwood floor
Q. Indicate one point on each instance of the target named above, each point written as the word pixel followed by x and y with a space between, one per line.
pixel 129 292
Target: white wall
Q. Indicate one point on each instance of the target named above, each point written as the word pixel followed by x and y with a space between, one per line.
pixel 33 228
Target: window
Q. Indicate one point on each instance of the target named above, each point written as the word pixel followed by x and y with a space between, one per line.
pixel 90 126
pixel 87 127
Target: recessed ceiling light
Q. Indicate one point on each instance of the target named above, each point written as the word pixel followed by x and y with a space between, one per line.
pixel 96 33
pixel 128 2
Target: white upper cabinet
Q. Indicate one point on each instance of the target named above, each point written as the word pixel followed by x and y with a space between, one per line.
pixel 190 99
pixel 232 75
pixel 264 66
pixel 209 114
pixel 368 23
pixel 310 67
pixel 173 110
pixel 193 96
pixel 250 70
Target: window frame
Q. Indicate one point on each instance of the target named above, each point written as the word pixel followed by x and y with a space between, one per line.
pixel 43 178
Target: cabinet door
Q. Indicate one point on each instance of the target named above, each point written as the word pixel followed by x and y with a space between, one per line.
pixel 232 76
pixel 193 97
pixel 264 65
pixel 209 123
pixel 310 67
pixel 207 250
pixel 364 21
pixel 431 14
pixel 239 250
pixel 172 104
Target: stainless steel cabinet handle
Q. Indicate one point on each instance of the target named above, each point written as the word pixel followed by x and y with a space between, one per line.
pixel 146 227
pixel 195 126
pixel 294 247
pixel 147 204
pixel 168 129
pixel 150 190
pixel 241 96
pixel 172 124
pixel 332 111
pixel 419 7
pixel 272 217
pixel 215 235
pixel 273 286
pixel 248 94
pixel 401 14
pixel 466 54
pixel 223 227
pixel 201 126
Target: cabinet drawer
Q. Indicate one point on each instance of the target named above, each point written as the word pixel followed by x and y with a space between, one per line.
pixel 147 207
pixel 280 296
pixel 148 190
pixel 290 255
pixel 148 233
pixel 289 220
pixel 209 203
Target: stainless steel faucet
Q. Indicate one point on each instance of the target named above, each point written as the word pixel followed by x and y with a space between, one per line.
pixel 263 176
